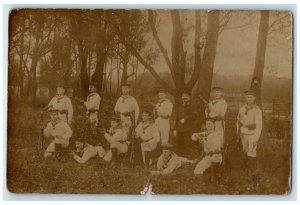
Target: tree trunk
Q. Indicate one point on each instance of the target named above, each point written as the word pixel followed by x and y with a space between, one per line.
pixel 212 34
pixel 21 59
pixel 84 78
pixel 34 82
pixel 101 59
pixel 260 55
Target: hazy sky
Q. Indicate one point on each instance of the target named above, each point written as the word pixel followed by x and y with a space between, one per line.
pixel 236 46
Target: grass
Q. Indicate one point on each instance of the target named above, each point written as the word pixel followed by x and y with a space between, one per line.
pixel 28 172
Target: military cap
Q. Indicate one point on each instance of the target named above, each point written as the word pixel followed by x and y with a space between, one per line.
pixel 250 92
pixel 148 109
pixel 125 85
pixel 217 88
pixel 167 147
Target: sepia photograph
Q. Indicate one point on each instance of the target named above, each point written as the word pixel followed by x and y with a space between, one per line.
pixel 111 101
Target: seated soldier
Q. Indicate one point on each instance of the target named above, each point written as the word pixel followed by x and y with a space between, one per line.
pixel 148 134
pixel 212 145
pixel 59 130
pixel 116 137
pixel 85 151
pixel 169 161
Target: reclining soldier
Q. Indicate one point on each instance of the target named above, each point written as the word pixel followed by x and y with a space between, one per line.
pixel 85 151
pixel 169 161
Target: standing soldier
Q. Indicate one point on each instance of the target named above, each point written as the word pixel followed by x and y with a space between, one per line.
pixel 249 126
pixel 212 145
pixel 63 104
pixel 148 134
pixel 59 130
pixel 127 107
pixel 92 104
pixel 216 109
pixel 163 111
pixel 185 126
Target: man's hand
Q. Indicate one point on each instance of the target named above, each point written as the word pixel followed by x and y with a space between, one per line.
pixel 174 132
pixel 72 153
pixel 182 121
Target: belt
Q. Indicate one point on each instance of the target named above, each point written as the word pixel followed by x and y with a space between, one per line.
pixel 250 126
pixel 126 114
pixel 63 111
pixel 164 117
pixel 92 111
pixel 211 153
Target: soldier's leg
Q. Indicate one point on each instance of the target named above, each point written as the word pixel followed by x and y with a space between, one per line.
pixel 100 151
pixel 204 164
pixel 108 156
pixel 147 159
pixel 164 130
pixel 180 143
pixel 120 147
pixel 114 153
pixel 50 149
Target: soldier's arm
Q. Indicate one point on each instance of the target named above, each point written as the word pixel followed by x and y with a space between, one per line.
pixel 160 163
pixel 119 136
pixel 70 109
pixel 47 130
pixel 117 106
pixel 136 109
pixel 258 122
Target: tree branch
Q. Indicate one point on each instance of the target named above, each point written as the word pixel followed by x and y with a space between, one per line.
pixel 143 62
pixel 159 43
pixel 197 46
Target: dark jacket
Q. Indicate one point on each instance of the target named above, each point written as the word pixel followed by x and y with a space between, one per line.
pixel 189 114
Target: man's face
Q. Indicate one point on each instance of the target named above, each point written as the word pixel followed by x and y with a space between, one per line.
pixel 210 125
pixel 125 90
pixel 185 98
pixel 53 115
pixel 217 94
pixel 92 88
pixel 113 123
pixel 250 99
pixel 79 145
pixel 162 96
pixel 145 116
pixel 60 90
pixel 166 153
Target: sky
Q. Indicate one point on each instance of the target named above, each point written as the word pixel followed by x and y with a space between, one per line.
pixel 236 47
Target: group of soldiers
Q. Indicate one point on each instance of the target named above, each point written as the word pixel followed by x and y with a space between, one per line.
pixel 151 127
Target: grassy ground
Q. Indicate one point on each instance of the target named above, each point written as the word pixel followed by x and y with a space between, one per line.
pixel 27 172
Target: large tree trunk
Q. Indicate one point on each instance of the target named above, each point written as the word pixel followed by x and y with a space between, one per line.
pixel 260 54
pixel 21 60
pixel 84 78
pixel 101 59
pixel 207 66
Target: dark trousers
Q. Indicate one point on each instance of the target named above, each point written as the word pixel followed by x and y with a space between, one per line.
pixel 185 146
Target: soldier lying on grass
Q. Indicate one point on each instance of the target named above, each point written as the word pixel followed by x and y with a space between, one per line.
pixel 169 161
pixel 85 151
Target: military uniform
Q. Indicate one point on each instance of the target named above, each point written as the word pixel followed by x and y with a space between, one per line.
pixel 167 166
pixel 117 139
pixel 249 124
pixel 185 126
pixel 149 135
pixel 212 145
pixel 164 111
pixel 92 105
pixel 89 152
pixel 61 132
pixel 125 107
pixel 63 104
pixel 216 110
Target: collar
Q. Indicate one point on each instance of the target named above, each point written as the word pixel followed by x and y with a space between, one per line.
pixel 91 94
